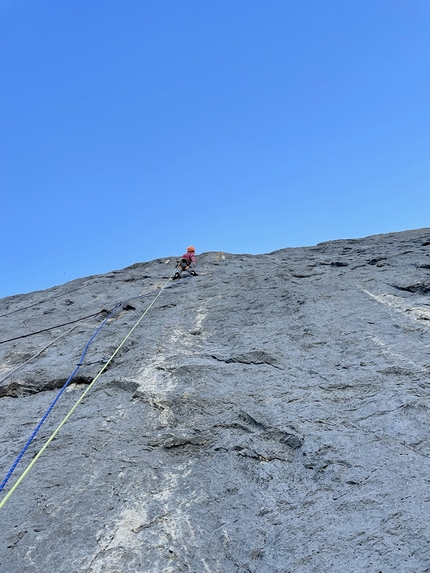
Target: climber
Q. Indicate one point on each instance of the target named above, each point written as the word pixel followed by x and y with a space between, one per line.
pixel 187 263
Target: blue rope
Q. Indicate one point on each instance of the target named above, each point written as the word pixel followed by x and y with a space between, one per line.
pixel 48 411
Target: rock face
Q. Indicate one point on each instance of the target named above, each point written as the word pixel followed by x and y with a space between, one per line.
pixel 268 416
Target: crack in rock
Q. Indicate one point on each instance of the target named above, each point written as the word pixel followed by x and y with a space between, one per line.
pixel 254 357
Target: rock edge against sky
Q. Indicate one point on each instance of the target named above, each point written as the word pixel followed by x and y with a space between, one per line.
pixel 268 416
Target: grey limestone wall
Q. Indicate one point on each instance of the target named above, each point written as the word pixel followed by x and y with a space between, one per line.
pixel 268 416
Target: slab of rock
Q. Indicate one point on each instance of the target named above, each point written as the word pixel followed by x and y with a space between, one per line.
pixel 268 416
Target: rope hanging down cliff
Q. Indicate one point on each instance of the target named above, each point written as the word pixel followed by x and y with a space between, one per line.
pixel 49 410
pixel 70 321
pixel 105 366
pixel 68 381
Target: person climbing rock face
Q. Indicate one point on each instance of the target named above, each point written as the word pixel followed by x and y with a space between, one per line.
pixel 187 263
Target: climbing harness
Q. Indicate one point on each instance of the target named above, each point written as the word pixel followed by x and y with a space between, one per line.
pixel 184 265
pixel 78 401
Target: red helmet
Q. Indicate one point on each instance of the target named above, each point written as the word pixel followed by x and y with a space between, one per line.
pixel 191 250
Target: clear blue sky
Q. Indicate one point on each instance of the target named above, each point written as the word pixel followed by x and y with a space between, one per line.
pixel 132 128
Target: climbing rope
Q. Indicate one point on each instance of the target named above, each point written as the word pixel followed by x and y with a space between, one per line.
pixel 71 321
pixel 61 336
pixel 37 354
pixel 33 435
pixel 78 401
pixel 49 410
pixel 50 328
